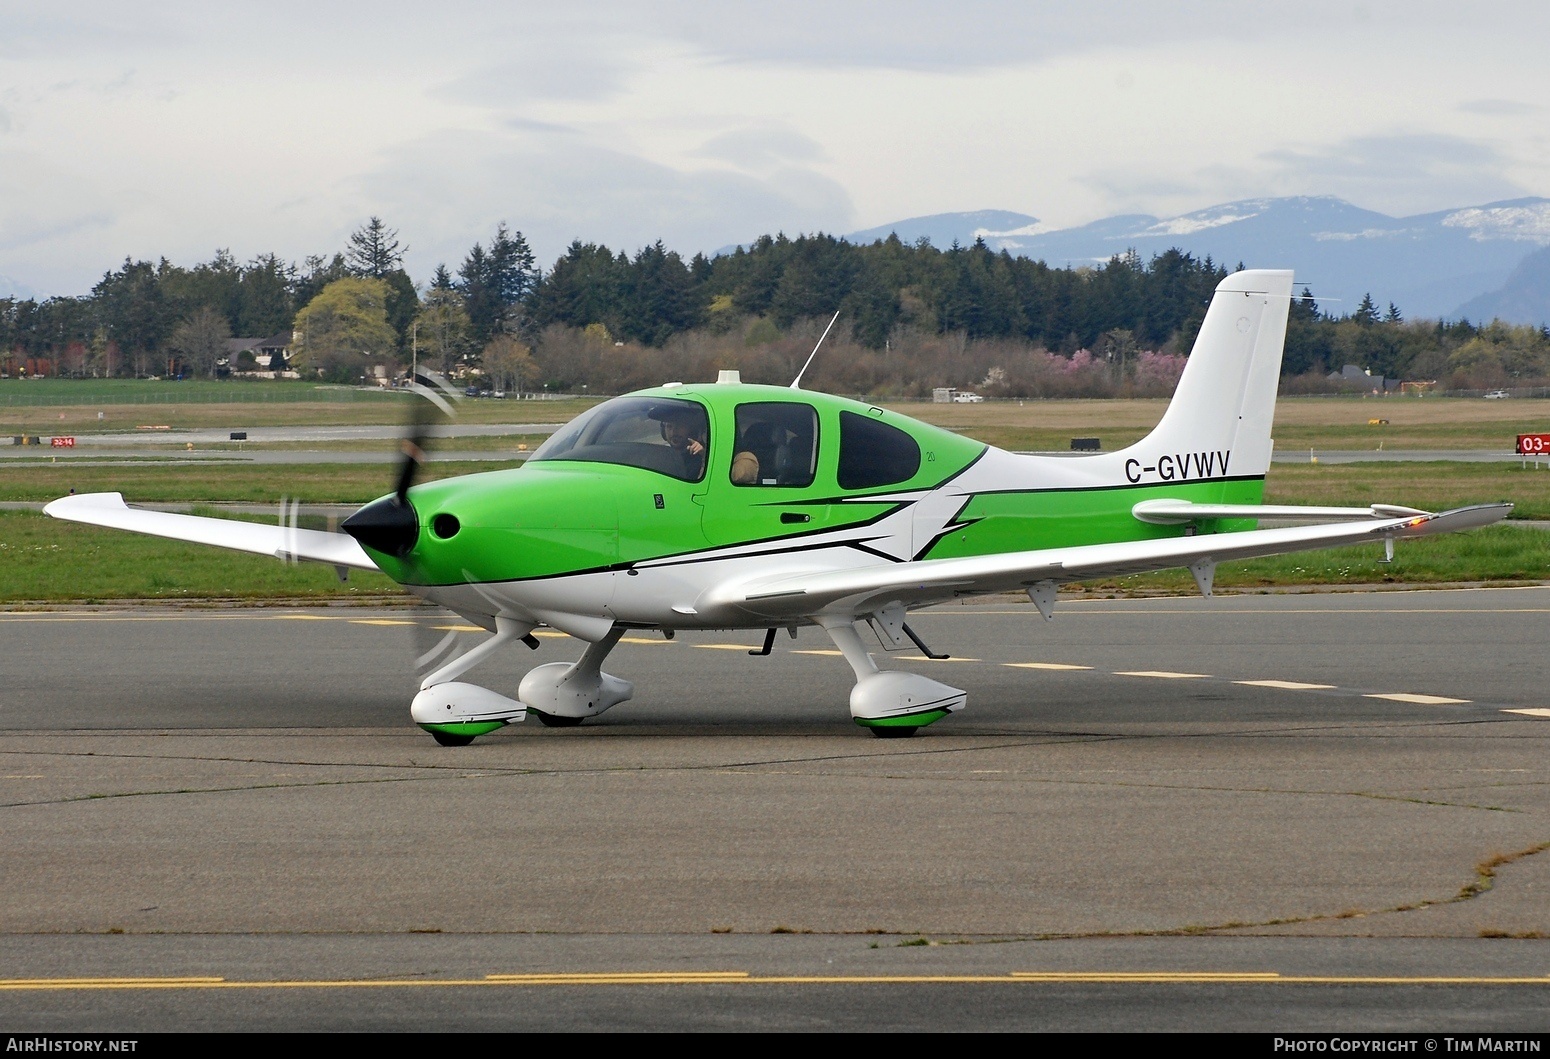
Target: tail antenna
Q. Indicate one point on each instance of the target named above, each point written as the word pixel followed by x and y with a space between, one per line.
pixel 796 383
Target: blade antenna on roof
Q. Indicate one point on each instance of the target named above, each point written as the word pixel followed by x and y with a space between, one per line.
pixel 796 383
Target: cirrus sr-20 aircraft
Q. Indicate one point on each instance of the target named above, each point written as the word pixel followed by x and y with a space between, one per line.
pixel 731 506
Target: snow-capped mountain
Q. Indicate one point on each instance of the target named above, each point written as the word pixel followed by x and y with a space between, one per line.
pixel 1523 299
pixel 1429 265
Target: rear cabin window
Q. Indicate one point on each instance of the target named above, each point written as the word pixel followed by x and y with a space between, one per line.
pixel 659 434
pixel 777 444
pixel 874 454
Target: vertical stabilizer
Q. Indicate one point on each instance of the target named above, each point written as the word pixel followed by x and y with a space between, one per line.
pixel 1226 397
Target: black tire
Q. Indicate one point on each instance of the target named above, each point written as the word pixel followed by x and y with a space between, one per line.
pixel 894 731
pixel 554 720
pixel 450 739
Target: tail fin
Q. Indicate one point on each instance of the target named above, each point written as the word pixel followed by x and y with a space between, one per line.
pixel 1226 397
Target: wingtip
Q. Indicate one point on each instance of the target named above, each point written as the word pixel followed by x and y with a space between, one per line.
pixel 1461 518
pixel 62 507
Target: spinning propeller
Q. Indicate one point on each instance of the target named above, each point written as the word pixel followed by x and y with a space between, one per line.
pixel 391 525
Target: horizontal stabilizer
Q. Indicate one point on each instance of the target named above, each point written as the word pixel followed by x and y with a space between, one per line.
pixel 282 542
pixel 1179 512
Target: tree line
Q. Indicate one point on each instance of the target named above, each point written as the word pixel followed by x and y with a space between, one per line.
pixel 912 317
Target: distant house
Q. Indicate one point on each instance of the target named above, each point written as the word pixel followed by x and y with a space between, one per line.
pixel 268 356
pixel 1353 375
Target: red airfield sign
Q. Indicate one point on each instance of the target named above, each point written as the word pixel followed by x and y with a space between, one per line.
pixel 1534 444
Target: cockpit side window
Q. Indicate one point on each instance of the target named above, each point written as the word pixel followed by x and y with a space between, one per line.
pixel 661 434
pixel 777 444
pixel 874 454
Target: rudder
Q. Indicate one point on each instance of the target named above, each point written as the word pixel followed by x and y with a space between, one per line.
pixel 1225 400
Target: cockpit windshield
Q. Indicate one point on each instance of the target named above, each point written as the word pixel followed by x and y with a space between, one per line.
pixel 661 434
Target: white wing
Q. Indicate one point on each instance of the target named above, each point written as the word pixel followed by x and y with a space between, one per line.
pixel 864 589
pixel 282 542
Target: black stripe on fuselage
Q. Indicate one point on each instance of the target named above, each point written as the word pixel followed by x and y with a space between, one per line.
pixel 1120 485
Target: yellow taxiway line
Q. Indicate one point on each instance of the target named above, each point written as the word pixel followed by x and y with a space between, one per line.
pixel 616 978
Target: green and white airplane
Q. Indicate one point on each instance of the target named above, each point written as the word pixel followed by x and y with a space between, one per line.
pixel 731 506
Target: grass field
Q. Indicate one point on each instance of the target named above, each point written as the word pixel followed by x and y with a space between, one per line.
pixel 1301 422
pixel 67 406
pixel 323 483
pixel 46 406
pixel 41 559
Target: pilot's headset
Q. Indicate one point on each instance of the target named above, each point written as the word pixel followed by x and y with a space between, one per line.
pixel 674 415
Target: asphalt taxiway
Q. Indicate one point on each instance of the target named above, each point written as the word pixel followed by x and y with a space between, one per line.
pixel 1290 811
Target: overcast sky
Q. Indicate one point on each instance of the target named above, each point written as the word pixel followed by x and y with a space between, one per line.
pixel 172 129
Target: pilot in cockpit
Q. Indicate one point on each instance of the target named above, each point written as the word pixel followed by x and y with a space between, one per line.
pixel 684 431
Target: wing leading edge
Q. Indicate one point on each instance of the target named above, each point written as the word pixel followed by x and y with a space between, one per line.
pixel 860 590
pixel 281 542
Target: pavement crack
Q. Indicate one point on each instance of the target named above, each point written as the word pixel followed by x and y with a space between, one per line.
pixel 1483 882
pixel 235 789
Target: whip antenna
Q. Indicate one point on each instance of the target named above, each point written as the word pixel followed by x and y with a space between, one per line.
pixel 796 382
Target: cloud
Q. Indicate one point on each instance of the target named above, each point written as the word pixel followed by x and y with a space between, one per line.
pixel 1506 108
pixel 1400 175
pixel 40 204
pixel 543 73
pixel 457 186
pixel 762 148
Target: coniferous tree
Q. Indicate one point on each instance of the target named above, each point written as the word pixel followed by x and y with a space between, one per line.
pixel 264 303
pixel 1367 312
pixel 374 250
pixel 494 282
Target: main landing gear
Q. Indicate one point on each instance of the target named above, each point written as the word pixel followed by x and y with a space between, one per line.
pixel 892 705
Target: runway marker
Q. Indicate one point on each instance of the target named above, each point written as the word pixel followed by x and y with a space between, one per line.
pixel 1042 665
pixel 1284 685
pixel 641 639
pixel 835 654
pixel 620 977
pixel 107 983
pixel 299 617
pixel 1534 712
pixel 1092 608
pixel 458 628
pixel 378 621
pixel 1419 700
pixel 550 634
pixel 1147 976
pixel 727 646
pixel 914 658
pixel 1162 674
